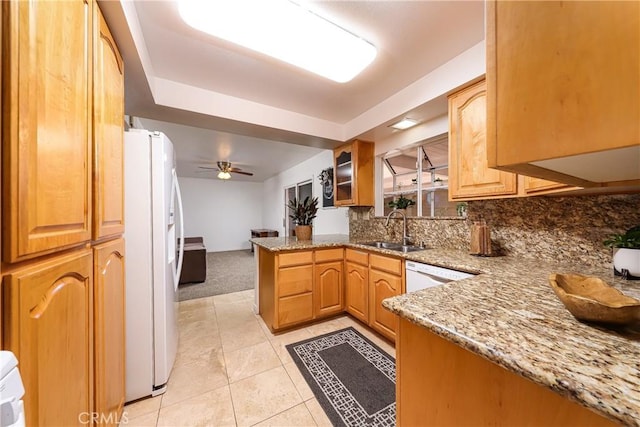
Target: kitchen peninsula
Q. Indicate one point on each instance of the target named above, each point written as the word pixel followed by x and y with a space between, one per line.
pixel 509 321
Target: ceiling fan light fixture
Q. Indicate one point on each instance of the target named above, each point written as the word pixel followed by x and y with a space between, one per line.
pixel 404 124
pixel 224 175
pixel 284 30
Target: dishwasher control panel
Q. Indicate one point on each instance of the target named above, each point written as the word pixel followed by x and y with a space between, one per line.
pixel 421 276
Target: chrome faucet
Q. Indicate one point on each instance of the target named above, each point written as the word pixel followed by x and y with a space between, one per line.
pixel 405 237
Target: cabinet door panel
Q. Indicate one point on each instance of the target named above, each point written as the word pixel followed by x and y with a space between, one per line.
pixel 383 285
pixel 357 291
pixel 469 173
pixel 108 113
pixel 328 294
pixel 50 328
pixel 109 310
pixel 47 161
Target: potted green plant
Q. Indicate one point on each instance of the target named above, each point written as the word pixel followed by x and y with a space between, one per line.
pixel 461 208
pixel 626 252
pixel 401 203
pixel 302 214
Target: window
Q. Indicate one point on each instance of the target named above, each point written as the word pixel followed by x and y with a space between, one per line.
pixel 420 174
pixel 299 191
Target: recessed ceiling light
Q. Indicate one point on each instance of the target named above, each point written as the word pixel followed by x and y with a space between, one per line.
pixel 404 124
pixel 284 30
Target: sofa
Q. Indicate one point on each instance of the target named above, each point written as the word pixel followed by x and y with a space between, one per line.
pixel 194 265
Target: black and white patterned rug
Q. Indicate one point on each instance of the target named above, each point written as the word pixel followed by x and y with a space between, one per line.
pixel 353 380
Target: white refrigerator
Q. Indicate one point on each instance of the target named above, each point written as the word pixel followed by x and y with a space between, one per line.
pixel 153 211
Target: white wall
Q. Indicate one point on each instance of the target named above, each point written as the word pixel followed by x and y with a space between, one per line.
pixel 328 221
pixel 222 212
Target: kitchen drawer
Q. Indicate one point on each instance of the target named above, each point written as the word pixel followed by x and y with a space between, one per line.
pixel 361 257
pixel 295 309
pixel 388 264
pixel 329 255
pixel 295 258
pixel 295 280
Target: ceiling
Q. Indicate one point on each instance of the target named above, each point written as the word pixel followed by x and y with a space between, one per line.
pixel 197 147
pixel 254 104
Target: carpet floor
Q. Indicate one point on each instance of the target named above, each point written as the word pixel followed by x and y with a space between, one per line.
pixel 353 380
pixel 227 272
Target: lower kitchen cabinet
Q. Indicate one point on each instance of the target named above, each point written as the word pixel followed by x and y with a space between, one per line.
pixel 328 282
pixel 49 327
pixel 109 326
pixel 328 289
pixel 383 285
pixel 357 290
pixel 294 295
pixel 457 387
pixel 300 286
pixel 386 277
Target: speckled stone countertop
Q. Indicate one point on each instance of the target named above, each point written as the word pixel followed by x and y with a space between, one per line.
pixel 509 315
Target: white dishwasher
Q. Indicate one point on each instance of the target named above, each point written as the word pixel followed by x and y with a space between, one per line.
pixel 421 276
pixel 11 392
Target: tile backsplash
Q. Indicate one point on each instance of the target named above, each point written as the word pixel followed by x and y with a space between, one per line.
pixel 566 229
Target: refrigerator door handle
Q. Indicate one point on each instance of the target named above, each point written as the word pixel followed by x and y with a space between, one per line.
pixel 178 267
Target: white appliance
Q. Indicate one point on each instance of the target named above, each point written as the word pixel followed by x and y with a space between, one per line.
pixel 421 276
pixel 11 392
pixel 152 196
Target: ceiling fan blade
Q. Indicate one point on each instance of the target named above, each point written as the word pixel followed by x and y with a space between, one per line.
pixel 204 167
pixel 241 173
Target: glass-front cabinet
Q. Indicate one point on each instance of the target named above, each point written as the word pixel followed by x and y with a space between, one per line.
pixel 344 177
pixel 418 177
pixel 353 163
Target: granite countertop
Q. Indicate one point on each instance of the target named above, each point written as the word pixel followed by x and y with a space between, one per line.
pixel 509 315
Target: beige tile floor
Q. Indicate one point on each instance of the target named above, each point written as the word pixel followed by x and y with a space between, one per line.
pixel 231 370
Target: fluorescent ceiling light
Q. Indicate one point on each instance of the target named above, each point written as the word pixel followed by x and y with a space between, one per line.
pixel 283 30
pixel 404 124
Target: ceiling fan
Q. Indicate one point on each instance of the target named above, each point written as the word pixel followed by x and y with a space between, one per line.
pixel 225 170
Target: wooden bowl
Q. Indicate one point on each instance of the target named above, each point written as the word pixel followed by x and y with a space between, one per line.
pixel 593 300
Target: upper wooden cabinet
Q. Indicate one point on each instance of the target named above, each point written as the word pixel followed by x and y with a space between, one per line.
pixel 108 133
pixel 469 174
pixel 537 186
pixel 46 102
pixel 353 174
pixel 470 177
pixel 563 90
pixel 50 329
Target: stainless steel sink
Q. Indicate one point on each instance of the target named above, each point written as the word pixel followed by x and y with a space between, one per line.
pixel 394 246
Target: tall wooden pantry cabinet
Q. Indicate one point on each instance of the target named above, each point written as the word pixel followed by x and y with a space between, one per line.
pixel 62 210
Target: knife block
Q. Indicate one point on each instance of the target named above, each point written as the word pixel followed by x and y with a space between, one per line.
pixel 480 239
